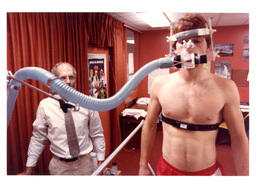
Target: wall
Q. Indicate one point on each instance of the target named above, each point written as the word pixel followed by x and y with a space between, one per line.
pixel 234 35
pixel 153 45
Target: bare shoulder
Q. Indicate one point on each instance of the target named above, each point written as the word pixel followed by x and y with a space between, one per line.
pixel 159 82
pixel 227 86
pixel 224 83
pixel 162 79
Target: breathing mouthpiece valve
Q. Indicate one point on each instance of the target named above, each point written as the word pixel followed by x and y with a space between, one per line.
pixel 189 60
pixel 188 44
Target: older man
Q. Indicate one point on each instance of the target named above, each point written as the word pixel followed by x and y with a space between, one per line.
pixel 73 134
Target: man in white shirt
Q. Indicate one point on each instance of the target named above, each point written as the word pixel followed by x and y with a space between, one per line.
pixel 50 124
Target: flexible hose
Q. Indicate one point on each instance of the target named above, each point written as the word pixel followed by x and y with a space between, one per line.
pixel 35 73
pixel 75 97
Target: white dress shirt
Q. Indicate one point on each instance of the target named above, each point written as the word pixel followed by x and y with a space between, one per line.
pixel 50 124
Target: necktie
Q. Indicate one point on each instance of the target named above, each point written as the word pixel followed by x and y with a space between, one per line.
pixel 70 129
pixel 71 134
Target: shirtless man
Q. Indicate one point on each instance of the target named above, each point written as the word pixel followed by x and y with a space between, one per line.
pixel 193 96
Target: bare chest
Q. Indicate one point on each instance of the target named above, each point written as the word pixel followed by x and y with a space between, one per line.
pixel 198 103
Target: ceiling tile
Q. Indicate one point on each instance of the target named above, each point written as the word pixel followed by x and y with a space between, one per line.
pixel 218 19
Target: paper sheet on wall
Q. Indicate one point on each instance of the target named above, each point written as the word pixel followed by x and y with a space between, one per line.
pixel 97 71
pixel 154 74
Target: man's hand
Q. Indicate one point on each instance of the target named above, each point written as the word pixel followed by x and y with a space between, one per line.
pixel 144 171
pixel 99 163
pixel 28 171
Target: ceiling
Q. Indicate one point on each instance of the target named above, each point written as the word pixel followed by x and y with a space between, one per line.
pixel 132 21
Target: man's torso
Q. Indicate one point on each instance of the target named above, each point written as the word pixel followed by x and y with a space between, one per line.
pixel 198 102
pixel 57 130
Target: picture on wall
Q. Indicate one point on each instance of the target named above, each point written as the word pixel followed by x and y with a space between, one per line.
pixel 223 69
pixel 224 49
pixel 97 75
pixel 246 49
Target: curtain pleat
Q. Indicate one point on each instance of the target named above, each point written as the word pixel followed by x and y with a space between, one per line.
pixel 43 39
pixel 118 67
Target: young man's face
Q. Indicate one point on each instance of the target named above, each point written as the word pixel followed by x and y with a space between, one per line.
pixel 65 72
pixel 192 45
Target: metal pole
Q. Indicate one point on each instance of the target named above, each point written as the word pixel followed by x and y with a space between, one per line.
pixel 151 169
pixel 170 42
pixel 33 87
pixel 211 38
pixel 42 91
pixel 116 151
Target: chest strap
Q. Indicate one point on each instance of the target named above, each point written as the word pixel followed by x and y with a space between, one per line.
pixel 189 126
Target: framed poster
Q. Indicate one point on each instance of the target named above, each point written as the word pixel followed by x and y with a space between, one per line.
pixel 224 49
pixel 223 69
pixel 97 75
pixel 246 49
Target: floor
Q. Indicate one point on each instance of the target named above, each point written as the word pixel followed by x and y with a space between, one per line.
pixel 128 158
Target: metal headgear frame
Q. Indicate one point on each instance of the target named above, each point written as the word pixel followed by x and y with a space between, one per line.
pixel 190 34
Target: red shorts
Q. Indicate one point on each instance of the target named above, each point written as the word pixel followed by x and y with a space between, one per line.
pixel 164 168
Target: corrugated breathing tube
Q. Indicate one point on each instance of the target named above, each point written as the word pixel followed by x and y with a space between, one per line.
pixel 71 95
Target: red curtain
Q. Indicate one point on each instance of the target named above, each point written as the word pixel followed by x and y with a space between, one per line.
pixel 41 40
pixel 118 67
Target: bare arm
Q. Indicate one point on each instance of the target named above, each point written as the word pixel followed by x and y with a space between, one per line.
pixel 149 131
pixel 234 119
